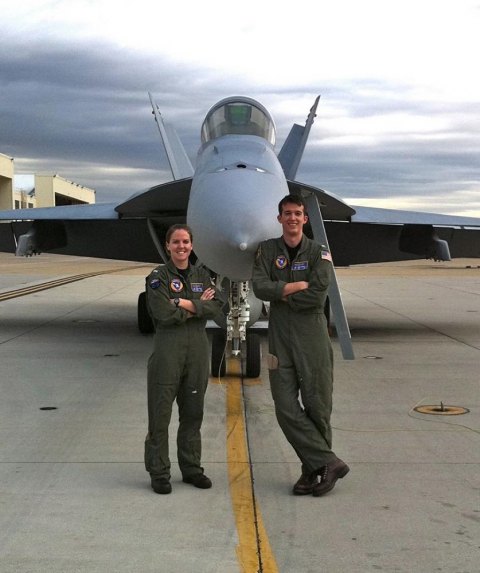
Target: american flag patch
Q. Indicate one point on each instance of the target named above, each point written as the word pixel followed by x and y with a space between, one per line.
pixel 326 256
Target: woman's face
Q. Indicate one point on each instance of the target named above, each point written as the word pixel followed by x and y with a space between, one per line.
pixel 180 247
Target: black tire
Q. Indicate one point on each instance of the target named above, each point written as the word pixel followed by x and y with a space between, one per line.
pixel 254 356
pixel 145 323
pixel 219 361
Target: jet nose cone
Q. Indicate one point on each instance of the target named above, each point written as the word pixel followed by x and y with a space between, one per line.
pixel 230 251
pixel 230 212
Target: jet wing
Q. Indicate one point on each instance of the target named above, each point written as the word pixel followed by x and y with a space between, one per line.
pixel 333 208
pixel 70 212
pixel 375 235
pixel 166 199
pixel 116 231
pixel 398 217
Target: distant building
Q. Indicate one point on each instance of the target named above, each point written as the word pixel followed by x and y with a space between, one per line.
pixel 6 182
pixel 47 190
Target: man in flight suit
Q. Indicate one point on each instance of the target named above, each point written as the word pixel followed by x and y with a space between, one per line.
pixel 293 273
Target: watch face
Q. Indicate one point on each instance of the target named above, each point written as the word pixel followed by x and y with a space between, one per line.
pixel 176 301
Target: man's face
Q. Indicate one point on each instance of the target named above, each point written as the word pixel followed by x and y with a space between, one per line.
pixel 292 219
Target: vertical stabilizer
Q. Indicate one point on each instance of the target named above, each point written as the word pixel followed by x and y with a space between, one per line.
pixel 177 156
pixel 292 150
pixel 336 303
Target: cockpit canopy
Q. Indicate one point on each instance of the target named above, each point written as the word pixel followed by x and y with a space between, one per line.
pixel 238 116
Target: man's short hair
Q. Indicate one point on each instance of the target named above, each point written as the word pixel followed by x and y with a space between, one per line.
pixel 296 199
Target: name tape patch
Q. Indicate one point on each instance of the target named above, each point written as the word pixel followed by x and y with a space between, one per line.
pixel 300 266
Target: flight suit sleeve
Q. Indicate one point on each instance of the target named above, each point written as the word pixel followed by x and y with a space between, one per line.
pixel 162 311
pixel 210 309
pixel 315 295
pixel 263 286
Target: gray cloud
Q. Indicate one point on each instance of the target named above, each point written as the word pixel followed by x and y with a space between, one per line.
pixel 81 109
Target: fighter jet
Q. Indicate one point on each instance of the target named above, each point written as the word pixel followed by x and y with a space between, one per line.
pixel 230 200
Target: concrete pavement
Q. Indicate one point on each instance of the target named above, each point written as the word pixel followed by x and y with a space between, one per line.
pixel 74 495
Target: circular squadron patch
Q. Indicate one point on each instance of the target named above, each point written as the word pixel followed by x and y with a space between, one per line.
pixel 281 262
pixel 176 285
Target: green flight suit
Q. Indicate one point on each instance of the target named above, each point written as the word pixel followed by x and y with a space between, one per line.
pixel 301 357
pixel 178 368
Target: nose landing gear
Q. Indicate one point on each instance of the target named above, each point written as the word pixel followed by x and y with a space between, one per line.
pixel 241 341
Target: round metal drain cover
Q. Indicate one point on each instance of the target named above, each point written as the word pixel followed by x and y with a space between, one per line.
pixel 441 410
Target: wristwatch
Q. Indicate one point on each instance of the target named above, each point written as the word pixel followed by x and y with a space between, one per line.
pixel 176 301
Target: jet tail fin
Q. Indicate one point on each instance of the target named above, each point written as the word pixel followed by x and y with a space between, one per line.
pixel 178 160
pixel 292 150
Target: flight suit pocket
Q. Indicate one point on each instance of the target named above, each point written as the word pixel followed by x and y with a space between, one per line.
pixel 272 362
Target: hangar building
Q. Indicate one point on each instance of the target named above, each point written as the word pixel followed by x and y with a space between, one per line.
pixel 48 190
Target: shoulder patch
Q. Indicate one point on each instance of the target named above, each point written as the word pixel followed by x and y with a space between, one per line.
pixel 326 255
pixel 155 283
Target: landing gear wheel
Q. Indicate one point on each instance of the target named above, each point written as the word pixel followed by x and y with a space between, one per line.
pixel 254 357
pixel 219 362
pixel 145 323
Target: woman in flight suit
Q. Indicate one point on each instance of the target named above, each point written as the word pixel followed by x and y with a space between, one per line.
pixel 180 298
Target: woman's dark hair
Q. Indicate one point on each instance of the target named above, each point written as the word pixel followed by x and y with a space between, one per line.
pixel 178 227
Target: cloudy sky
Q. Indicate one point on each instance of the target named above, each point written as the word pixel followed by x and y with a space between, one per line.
pixel 398 123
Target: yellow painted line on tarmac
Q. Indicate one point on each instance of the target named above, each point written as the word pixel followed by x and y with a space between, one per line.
pixel 253 551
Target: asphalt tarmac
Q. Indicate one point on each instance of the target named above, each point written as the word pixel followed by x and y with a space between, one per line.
pixel 74 494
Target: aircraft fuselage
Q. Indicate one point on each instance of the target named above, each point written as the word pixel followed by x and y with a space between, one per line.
pixel 237 185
